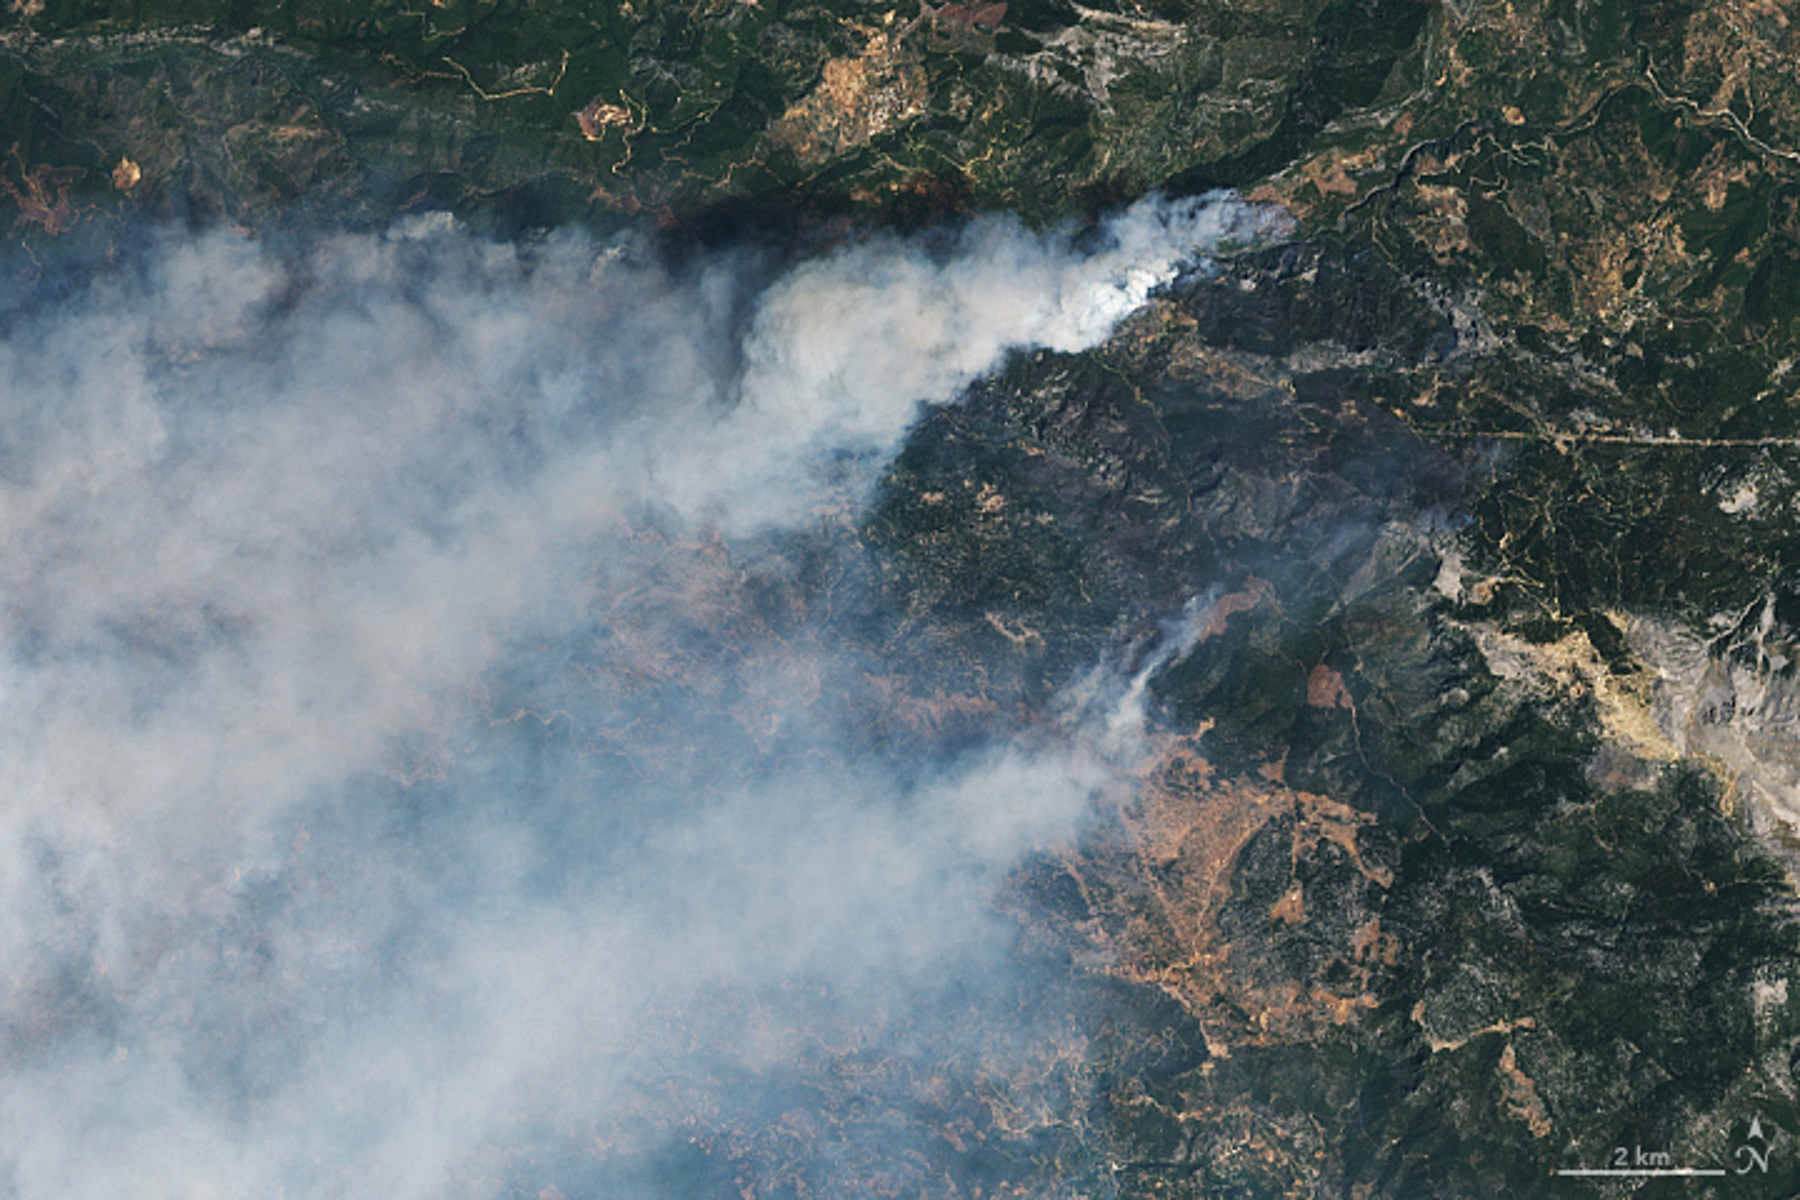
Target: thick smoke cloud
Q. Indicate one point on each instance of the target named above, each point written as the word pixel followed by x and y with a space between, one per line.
pixel 393 764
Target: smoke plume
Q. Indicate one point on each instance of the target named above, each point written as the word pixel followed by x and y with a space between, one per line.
pixel 402 770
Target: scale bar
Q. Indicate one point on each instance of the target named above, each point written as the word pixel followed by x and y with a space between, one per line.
pixel 1641 1172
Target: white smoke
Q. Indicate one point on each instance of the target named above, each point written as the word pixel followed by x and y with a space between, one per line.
pixel 266 515
pixel 845 350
